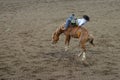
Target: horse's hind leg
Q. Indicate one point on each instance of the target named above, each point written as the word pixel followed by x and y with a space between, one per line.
pixel 83 53
pixel 91 39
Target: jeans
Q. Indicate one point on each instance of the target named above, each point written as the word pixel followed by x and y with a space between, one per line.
pixel 68 21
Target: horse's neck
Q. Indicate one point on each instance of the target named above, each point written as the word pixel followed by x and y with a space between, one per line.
pixel 59 31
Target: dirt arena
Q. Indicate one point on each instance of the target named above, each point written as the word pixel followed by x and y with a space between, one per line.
pixel 26 52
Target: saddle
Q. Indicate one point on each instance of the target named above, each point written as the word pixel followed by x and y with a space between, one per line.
pixel 72 30
pixel 75 32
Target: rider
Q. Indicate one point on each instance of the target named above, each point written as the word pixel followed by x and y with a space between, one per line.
pixel 79 22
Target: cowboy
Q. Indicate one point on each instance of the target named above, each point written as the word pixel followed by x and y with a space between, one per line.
pixel 74 21
pixel 70 20
pixel 83 21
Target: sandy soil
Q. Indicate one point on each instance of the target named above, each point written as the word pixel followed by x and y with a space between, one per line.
pixel 26 52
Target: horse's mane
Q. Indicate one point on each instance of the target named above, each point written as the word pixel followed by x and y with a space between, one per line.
pixel 60 28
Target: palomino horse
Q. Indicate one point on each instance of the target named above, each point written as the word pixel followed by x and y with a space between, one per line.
pixel 75 32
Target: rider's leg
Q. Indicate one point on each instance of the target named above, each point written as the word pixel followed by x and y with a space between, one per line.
pixel 67 24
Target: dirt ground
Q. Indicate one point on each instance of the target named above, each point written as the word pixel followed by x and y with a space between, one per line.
pixel 26 52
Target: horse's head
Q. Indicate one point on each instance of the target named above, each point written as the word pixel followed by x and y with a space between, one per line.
pixel 55 38
pixel 56 34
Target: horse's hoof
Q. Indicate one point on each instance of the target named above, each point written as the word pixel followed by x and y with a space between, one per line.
pixel 85 63
pixel 79 54
pixel 66 50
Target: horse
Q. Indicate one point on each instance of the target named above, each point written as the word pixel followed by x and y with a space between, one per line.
pixel 80 33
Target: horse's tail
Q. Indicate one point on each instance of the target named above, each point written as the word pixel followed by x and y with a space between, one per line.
pixel 91 39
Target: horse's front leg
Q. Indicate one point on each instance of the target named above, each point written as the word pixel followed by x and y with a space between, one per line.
pixel 67 41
